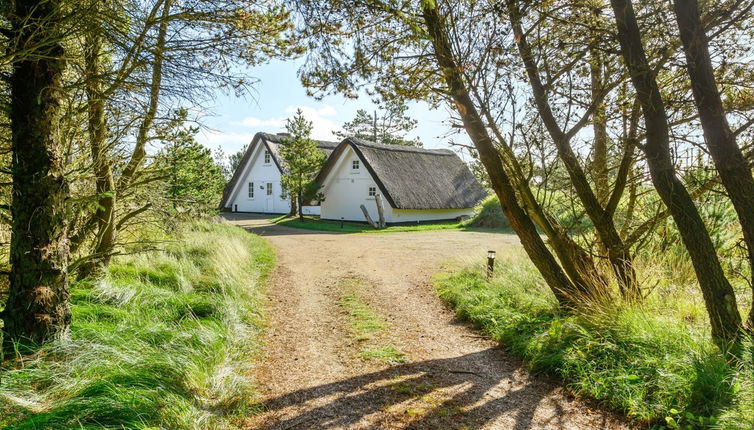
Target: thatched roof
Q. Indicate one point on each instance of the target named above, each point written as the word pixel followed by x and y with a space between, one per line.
pixel 414 178
pixel 272 143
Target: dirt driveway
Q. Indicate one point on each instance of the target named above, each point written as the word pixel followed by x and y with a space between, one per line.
pixel 359 340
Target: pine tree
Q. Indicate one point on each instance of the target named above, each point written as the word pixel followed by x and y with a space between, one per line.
pixel 302 161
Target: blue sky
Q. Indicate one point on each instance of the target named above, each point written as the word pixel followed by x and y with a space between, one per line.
pixel 279 93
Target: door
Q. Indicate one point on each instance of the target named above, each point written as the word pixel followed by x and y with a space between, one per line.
pixel 270 204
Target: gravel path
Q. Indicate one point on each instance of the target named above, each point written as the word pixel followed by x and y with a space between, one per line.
pixel 312 376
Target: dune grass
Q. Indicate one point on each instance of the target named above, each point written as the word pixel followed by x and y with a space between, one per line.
pixel 655 362
pixel 314 223
pixel 164 340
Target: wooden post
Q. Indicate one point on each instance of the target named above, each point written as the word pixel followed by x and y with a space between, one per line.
pixel 366 215
pixel 380 209
pixel 490 263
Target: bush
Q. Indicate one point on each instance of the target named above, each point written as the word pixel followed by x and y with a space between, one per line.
pixel 642 360
pixel 489 214
pixel 164 340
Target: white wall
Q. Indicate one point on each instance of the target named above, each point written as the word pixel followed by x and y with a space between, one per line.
pixel 345 189
pixel 260 173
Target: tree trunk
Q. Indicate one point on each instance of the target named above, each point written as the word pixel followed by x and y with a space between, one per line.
pixel 369 219
pixel 618 254
pixel 380 209
pixel 719 297
pixel 730 162
pixel 294 206
pixel 142 136
pixel 599 127
pixel 37 307
pixel 104 184
pixel 300 198
pixel 576 262
pixel 561 286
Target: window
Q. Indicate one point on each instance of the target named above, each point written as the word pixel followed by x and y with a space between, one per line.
pixel 372 191
pixel 269 188
pixel 355 165
pixel 251 190
pixel 284 195
pixel 267 157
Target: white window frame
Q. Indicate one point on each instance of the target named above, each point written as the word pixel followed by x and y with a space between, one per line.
pixel 267 157
pixel 369 191
pixel 269 188
pixel 355 166
pixel 283 194
pixel 251 190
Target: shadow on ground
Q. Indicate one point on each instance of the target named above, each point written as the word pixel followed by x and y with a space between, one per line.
pixel 433 394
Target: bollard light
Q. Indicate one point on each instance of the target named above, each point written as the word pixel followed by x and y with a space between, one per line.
pixel 490 263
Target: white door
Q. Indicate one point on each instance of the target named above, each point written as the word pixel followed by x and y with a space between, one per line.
pixel 268 196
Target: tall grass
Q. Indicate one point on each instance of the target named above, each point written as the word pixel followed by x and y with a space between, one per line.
pixel 653 361
pixel 165 340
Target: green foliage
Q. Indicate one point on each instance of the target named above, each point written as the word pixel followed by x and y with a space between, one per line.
pixel 165 340
pixel 489 214
pixel 389 126
pixel 193 180
pixel 644 360
pixel 302 159
pixel 234 160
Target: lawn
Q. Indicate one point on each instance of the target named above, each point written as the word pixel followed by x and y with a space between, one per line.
pixel 165 340
pixel 313 223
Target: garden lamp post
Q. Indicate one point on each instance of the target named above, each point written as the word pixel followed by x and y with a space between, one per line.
pixel 490 263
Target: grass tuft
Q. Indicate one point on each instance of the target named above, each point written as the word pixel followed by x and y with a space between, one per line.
pixel 164 340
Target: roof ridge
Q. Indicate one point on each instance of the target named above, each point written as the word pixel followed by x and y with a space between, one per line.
pixel 276 138
pixel 400 148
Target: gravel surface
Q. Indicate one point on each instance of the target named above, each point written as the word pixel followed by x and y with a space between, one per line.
pixel 312 376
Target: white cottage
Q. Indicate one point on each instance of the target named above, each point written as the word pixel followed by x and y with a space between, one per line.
pixel 256 184
pixel 416 184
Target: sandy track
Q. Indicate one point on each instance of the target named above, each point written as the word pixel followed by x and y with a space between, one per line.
pixel 312 378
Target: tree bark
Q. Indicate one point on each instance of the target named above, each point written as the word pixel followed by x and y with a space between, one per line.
pixel 719 297
pixel 562 287
pixel 618 253
pixel 37 308
pixel 104 184
pixel 729 160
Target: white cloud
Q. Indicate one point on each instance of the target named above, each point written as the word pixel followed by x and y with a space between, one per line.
pixel 229 142
pixel 321 118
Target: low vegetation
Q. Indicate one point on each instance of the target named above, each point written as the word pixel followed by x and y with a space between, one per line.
pixel 654 361
pixel 165 339
pixel 313 223
pixel 489 215
pixel 367 327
